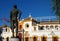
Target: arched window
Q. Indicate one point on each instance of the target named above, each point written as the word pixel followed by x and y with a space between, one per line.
pixel 56 27
pixel 40 27
pixel 51 26
pixel 27 25
pixel 47 27
pixel 20 27
pixel 34 28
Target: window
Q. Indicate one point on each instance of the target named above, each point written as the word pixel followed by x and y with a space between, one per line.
pixel 40 27
pixel 51 27
pixel 34 28
pixel 56 27
pixel 47 27
pixel 33 23
pixel 20 27
pixel 27 25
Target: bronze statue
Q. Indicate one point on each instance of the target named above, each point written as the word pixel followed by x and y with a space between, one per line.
pixel 14 17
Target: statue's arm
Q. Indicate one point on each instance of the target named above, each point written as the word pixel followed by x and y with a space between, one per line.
pixel 19 15
pixel 10 15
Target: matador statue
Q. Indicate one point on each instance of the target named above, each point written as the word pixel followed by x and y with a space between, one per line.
pixel 15 15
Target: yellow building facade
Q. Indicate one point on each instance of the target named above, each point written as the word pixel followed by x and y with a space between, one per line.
pixel 39 31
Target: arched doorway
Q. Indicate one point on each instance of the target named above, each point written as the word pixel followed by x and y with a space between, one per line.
pixel 26 38
pixel 7 39
pixel 35 38
pixel 54 38
pixel 20 36
pixel 44 38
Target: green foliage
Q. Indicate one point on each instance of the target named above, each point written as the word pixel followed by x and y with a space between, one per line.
pixel 54 1
pixel 56 7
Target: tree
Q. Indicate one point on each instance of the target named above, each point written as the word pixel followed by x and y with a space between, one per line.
pixel 56 8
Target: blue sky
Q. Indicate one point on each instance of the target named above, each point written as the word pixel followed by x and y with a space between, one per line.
pixel 37 8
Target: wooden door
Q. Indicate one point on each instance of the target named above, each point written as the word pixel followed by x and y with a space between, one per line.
pixel 34 38
pixel 44 38
pixel 7 39
pixel 26 38
pixel 55 39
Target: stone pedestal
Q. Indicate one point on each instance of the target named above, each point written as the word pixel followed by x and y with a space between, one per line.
pixel 12 39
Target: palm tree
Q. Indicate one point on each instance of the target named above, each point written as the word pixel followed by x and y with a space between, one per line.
pixel 56 8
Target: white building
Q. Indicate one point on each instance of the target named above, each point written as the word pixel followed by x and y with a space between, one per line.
pixel 39 31
pixel 35 31
pixel 7 34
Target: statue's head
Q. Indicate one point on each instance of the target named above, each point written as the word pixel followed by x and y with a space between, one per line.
pixel 15 6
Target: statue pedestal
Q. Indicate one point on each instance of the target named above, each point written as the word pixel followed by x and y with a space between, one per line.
pixel 12 39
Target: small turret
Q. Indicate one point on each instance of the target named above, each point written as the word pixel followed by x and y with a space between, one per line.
pixel 30 15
